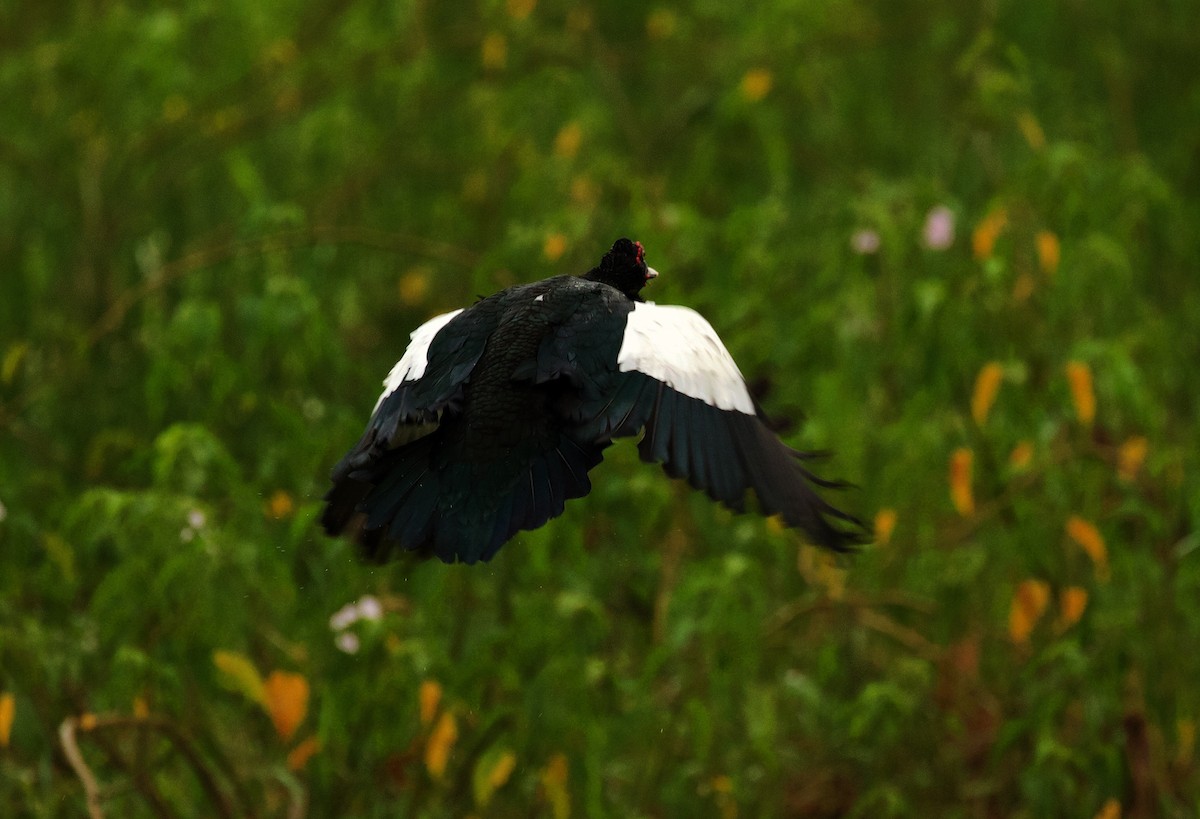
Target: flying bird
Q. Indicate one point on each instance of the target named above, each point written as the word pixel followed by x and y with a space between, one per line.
pixel 490 421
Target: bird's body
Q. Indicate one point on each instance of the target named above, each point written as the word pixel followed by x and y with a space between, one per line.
pixel 491 420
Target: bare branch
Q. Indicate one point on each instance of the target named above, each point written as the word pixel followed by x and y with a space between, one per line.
pixel 91 788
pixel 208 783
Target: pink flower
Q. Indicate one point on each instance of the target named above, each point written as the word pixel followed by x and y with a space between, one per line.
pixel 939 228
pixel 864 241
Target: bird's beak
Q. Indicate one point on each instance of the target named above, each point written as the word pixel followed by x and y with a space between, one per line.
pixel 651 273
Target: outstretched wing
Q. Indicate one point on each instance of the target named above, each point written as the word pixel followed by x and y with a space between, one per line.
pixel 425 382
pixel 673 378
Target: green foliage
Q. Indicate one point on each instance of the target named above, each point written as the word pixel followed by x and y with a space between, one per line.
pixel 220 222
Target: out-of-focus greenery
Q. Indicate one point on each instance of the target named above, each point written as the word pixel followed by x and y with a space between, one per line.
pixel 219 222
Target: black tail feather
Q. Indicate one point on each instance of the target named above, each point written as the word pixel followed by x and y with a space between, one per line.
pixel 458 512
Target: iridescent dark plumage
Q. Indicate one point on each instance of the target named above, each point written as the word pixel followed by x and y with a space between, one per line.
pixel 493 417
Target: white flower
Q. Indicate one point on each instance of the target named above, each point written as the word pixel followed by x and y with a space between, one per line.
pixel 344 617
pixel 196 519
pixel 369 607
pixel 347 641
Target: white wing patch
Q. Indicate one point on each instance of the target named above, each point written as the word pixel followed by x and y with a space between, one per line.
pixel 678 347
pixel 412 364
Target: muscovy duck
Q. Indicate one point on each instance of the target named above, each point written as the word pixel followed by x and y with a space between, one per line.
pixel 493 416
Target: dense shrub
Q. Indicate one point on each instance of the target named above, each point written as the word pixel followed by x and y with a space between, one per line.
pixel 961 243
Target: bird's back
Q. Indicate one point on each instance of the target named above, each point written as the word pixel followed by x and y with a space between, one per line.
pixel 493 416
pixel 501 458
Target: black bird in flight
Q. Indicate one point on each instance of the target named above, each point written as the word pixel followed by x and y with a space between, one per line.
pixel 493 416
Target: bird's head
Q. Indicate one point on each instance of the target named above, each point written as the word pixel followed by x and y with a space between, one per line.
pixel 624 267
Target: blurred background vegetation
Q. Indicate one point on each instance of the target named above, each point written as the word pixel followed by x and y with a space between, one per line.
pixel 961 240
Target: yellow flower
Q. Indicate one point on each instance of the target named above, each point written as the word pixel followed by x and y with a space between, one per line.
pixel 298 757
pixel 566 144
pixel 1021 456
pixel 722 785
pixel 1031 129
pixel 520 9
pixel 429 696
pixel 414 286
pixel 820 568
pixel 1079 376
pixel 1088 537
pixel 8 709
pixel 885 524
pixel 961 463
pixel 492 770
pixel 579 20
pixel 987 385
pixel 555 247
pixel 1071 603
pixel 1185 750
pixel 983 240
pixel 1023 288
pixel 441 742
pixel 494 51
pixel 1131 456
pixel 584 191
pixel 554 786
pixel 280 505
pixel 1028 605
pixel 502 770
pixel 1048 251
pixel 287 701
pixel 756 84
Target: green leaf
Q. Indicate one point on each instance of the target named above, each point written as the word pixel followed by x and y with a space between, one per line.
pixel 237 673
pixel 491 772
pixel 13 357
